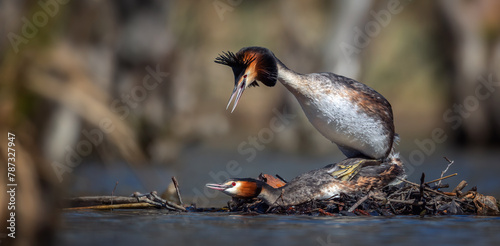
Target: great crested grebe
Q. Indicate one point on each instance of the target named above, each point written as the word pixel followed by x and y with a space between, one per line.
pixel 318 184
pixel 350 114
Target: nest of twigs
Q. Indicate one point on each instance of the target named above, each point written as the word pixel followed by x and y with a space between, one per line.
pixel 406 199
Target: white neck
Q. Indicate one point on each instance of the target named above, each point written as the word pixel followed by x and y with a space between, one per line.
pixel 290 79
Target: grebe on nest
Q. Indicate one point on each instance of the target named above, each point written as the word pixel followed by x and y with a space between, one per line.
pixel 350 114
pixel 318 184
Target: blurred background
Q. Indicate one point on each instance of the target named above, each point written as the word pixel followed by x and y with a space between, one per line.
pixel 99 92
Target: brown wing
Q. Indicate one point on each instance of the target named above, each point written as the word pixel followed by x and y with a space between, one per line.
pixel 271 180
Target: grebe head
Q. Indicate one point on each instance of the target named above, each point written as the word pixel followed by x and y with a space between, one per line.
pixel 250 64
pixel 239 188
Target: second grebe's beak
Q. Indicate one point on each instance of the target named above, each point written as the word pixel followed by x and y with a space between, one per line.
pixel 239 87
pixel 220 187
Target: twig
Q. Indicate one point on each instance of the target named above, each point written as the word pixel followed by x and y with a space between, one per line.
pixel 439 179
pixel 176 184
pixel 115 206
pixel 401 191
pixel 363 199
pixel 86 201
pixel 167 204
pixel 113 192
pixel 450 162
pixel 153 198
pixel 410 191
pixel 422 197
pixel 459 188
pixel 421 188
pixel 410 202
pixel 392 208
pixel 425 188
pixel 409 182
pixel 147 199
pixel 323 212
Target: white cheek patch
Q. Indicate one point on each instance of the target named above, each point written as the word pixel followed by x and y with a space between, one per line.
pixel 232 189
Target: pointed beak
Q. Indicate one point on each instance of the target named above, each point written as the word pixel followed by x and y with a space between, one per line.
pixel 217 186
pixel 238 90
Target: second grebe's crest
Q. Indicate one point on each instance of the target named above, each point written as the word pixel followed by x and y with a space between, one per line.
pixel 240 188
pixel 250 64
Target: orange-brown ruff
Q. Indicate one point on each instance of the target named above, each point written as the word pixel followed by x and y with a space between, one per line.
pixel 352 115
pixel 318 184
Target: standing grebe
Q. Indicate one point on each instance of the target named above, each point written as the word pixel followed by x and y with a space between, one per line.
pixel 352 115
pixel 317 184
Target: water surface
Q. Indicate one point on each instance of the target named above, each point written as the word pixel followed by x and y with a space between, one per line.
pixel 158 227
pixel 197 167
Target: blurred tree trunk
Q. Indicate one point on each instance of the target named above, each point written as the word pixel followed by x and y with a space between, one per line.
pixel 476 26
pixel 346 16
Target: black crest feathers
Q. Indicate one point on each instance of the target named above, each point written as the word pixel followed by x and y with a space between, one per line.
pixel 234 60
pixel 266 67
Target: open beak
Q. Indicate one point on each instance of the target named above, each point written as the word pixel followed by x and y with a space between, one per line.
pixel 238 90
pixel 217 186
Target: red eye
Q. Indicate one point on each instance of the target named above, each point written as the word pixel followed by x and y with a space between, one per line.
pixel 233 183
